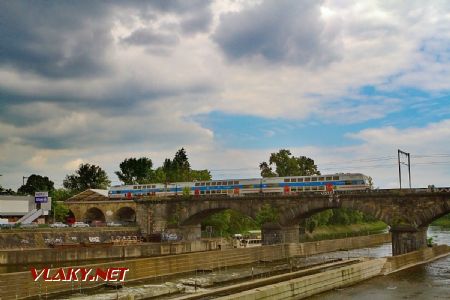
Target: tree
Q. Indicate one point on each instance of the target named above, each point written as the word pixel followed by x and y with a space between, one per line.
pixel 178 169
pixel 87 177
pixel 370 182
pixel 36 183
pixel 136 171
pixel 288 165
pixel 267 214
pixel 200 175
pixel 4 191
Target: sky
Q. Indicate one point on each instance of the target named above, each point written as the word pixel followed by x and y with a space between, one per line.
pixel 347 83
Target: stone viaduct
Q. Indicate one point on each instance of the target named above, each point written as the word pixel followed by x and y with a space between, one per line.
pixel 94 205
pixel 407 212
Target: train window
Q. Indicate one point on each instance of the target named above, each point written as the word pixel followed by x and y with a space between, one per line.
pixel 236 182
pixel 197 184
pixel 329 178
pixel 335 177
pixel 202 184
pixel 208 183
pixel 213 191
pixel 208 192
pixel 202 192
pixel 307 188
pixel 348 182
pixel 134 187
pixel 294 180
pixel 313 178
pixel 213 183
pixel 307 179
pixel 287 180
pixel 300 179
pixel 321 178
pixel 230 182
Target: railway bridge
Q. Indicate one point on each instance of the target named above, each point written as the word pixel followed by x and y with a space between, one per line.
pixel 407 212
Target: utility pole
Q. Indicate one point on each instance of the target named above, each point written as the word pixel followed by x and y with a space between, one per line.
pixel 408 155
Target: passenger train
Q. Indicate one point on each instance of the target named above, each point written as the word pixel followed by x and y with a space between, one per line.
pixel 242 187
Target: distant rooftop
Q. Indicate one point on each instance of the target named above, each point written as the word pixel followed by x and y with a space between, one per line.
pixel 90 195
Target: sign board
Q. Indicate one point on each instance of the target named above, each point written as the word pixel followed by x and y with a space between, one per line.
pixel 41 197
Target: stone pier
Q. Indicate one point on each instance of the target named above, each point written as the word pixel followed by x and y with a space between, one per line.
pixel 407 239
pixel 273 233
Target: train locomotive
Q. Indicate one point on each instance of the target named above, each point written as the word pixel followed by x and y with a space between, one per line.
pixel 242 187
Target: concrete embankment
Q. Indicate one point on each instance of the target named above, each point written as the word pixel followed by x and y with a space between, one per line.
pixel 116 252
pixel 316 283
pixel 306 286
pixel 21 285
pixel 40 238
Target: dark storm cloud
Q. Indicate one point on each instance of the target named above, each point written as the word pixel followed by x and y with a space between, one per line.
pixel 67 39
pixel 147 37
pixel 54 39
pixel 282 31
pixel 63 45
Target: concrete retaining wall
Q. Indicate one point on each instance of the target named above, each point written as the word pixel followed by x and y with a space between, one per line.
pixel 21 285
pixel 400 262
pixel 40 238
pixel 311 248
pixel 306 286
pixel 118 252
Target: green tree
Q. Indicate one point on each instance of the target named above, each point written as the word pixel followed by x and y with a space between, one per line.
pixel 36 183
pixel 200 175
pixel 136 171
pixel 267 214
pixel 178 169
pixel 87 177
pixel 4 191
pixel 60 211
pixel 288 165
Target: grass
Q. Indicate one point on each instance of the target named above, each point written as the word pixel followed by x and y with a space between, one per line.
pixel 444 222
pixel 342 231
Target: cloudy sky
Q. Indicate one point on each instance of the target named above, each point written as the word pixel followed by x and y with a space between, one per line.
pixel 344 82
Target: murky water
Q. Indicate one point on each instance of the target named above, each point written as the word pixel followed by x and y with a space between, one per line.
pixel 429 281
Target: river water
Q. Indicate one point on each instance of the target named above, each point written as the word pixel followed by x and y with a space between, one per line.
pixel 428 281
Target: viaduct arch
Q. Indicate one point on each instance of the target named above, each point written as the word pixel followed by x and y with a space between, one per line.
pixel 408 212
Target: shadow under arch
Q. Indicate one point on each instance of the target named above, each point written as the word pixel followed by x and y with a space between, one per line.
pixel 94 214
pixel 125 214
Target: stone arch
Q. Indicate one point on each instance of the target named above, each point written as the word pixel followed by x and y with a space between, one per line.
pixel 198 217
pixel 94 214
pixel 125 214
pixel 431 214
pixel 293 216
pixel 71 217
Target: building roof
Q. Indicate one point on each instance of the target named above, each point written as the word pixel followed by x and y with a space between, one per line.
pixel 90 195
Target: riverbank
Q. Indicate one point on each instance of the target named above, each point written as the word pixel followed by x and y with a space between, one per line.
pixel 343 231
pixel 443 222
pixel 160 268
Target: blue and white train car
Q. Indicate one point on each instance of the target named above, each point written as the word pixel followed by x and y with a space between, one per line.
pixel 242 187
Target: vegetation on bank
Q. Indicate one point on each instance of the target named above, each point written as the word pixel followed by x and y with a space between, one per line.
pixel 444 221
pixel 342 231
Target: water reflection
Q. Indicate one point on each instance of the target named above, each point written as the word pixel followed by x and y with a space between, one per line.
pixel 429 281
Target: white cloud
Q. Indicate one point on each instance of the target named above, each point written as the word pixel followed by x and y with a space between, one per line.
pixel 145 103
